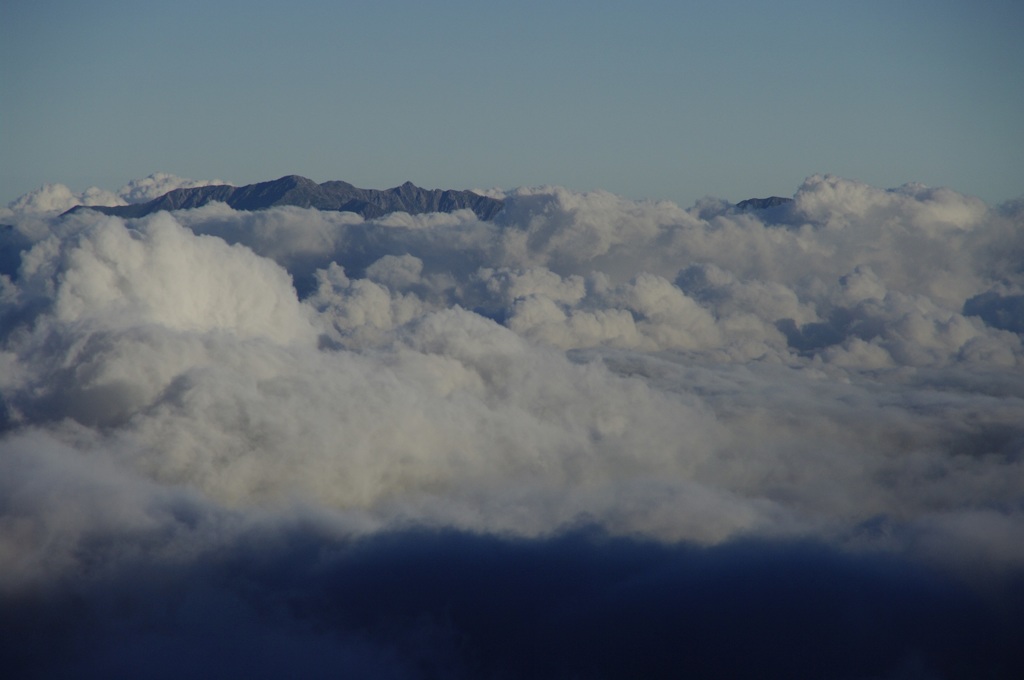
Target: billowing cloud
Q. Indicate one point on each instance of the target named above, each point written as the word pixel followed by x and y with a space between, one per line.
pixel 831 387
pixel 58 198
pixel 51 198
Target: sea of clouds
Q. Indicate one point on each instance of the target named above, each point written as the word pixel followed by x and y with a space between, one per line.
pixel 593 437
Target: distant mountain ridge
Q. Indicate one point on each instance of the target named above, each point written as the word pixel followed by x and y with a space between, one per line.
pixel 295 190
pixel 763 203
pixel 305 193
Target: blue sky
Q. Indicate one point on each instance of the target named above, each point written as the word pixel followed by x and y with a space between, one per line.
pixel 665 100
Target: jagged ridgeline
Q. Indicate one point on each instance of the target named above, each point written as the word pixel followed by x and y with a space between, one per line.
pixel 305 193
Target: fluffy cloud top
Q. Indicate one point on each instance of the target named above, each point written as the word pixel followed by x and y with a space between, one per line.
pixel 59 198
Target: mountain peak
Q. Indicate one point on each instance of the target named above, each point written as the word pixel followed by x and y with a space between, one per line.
pixel 763 203
pixel 293 181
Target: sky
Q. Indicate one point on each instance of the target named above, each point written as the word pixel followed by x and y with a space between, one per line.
pixel 661 100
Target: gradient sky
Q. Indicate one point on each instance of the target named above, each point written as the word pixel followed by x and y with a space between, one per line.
pixel 666 100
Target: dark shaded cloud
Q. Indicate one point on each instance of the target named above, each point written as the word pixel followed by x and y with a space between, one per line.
pixel 433 604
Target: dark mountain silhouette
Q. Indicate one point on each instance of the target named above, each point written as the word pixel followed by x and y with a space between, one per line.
pixel 342 196
pixel 763 203
pixel 305 193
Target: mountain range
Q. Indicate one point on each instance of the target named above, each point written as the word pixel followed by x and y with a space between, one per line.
pixel 302 192
pixel 305 193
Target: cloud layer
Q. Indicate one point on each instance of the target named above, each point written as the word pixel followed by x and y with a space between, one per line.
pixel 832 385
